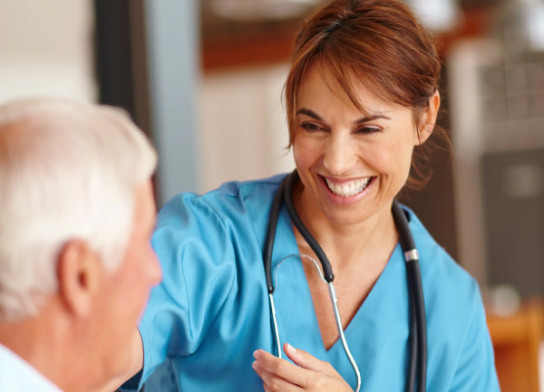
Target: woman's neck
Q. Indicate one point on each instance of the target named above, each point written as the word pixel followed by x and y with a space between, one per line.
pixel 364 242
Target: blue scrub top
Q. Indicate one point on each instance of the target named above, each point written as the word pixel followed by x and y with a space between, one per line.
pixel 211 311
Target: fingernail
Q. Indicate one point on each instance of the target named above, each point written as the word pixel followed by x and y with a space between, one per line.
pixel 291 348
pixel 256 354
pixel 254 365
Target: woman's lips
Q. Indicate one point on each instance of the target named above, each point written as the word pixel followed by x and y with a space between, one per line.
pixel 348 188
pixel 347 192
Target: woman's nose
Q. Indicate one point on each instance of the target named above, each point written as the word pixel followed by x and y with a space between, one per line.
pixel 339 156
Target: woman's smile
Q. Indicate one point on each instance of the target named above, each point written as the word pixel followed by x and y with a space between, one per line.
pixel 346 191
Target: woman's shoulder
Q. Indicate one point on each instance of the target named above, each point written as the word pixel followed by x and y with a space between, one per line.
pixel 208 235
pixel 243 189
pixel 458 338
pixel 444 279
pixel 233 203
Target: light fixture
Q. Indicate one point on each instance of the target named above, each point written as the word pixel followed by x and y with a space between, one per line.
pixel 521 25
pixel 437 15
pixel 254 10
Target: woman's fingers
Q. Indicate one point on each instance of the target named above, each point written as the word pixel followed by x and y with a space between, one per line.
pixel 284 369
pixel 281 375
pixel 308 361
pixel 272 382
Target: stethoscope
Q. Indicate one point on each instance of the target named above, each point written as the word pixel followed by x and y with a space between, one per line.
pixel 418 329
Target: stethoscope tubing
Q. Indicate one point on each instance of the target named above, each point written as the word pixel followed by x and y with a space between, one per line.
pixel 421 325
pixel 417 303
pixel 412 343
pixel 295 218
pixel 418 328
pixel 271 235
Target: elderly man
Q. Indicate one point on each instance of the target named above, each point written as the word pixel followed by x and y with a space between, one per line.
pixel 76 264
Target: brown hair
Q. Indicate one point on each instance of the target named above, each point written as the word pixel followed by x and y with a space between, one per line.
pixel 379 42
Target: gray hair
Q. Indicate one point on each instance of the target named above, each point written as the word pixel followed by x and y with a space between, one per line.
pixel 67 171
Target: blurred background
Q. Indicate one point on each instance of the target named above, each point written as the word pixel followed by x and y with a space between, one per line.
pixel 204 78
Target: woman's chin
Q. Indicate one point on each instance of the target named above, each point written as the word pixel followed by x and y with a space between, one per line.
pixel 346 216
pixel 346 210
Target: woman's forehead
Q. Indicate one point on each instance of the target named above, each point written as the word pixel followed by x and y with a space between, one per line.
pixel 320 88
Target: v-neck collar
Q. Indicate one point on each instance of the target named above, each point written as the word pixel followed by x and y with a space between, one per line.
pixel 292 293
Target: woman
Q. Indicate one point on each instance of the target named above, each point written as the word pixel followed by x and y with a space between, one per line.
pixel 361 96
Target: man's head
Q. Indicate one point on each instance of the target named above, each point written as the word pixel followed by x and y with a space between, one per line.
pixel 76 217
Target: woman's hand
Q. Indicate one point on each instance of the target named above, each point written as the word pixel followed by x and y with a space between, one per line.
pixel 311 374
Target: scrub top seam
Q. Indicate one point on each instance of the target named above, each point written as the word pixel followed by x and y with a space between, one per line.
pixel 234 275
pixel 241 185
pixel 220 308
pixel 212 322
pixel 467 331
pixel 253 220
pixel 246 184
pixel 267 182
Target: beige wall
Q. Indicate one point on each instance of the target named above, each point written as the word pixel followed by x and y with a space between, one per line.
pixel 46 49
pixel 242 131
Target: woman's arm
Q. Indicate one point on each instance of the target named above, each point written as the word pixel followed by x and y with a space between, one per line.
pixel 196 254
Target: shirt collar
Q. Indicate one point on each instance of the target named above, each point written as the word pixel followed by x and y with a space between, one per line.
pixel 16 375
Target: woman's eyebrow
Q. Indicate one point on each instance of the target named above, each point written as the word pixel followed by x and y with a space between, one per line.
pixel 309 113
pixel 377 116
pixel 371 118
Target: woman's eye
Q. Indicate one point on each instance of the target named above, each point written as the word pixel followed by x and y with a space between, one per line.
pixel 311 127
pixel 367 130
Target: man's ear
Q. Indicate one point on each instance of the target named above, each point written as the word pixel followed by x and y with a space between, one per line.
pixel 427 119
pixel 80 273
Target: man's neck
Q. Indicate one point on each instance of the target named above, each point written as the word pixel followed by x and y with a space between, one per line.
pixel 47 346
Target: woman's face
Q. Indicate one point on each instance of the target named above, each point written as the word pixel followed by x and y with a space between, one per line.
pixel 352 164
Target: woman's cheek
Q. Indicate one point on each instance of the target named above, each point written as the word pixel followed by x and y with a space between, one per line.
pixel 305 152
pixel 401 164
pixel 383 161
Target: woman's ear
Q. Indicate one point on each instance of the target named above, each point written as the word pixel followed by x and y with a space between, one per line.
pixel 427 119
pixel 80 273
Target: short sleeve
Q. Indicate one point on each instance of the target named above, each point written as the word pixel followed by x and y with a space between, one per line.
pixel 198 262
pixel 476 366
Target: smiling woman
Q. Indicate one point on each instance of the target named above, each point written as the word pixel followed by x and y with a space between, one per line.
pixel 339 147
pixel 362 101
pixel 381 47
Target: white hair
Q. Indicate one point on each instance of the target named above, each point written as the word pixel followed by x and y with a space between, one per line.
pixel 67 171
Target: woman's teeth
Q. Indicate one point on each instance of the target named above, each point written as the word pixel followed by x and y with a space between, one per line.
pixel 348 188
